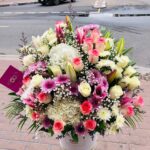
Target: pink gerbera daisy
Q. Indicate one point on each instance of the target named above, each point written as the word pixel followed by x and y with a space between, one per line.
pixel 48 85
pixel 61 79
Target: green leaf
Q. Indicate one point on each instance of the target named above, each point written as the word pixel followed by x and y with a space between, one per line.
pixel 14 109
pixel 67 129
pixel 125 51
pixel 22 122
pixel 32 127
pixel 107 34
pixel 131 122
pixel 49 71
pixel 12 94
pixel 74 136
pixel 50 130
pixel 120 46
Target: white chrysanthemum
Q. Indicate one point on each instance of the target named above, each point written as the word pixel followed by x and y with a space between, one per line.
pixel 115 110
pixel 120 121
pixel 65 110
pixel 112 130
pixel 62 52
pixel 104 114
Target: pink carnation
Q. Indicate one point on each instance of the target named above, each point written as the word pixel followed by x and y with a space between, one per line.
pixel 35 116
pixel 77 64
pixel 44 98
pixel 138 101
pixel 127 110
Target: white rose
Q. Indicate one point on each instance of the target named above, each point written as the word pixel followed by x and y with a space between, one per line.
pixel 28 60
pixel 129 71
pixel 124 82
pixel 119 71
pixel 36 80
pixel 85 89
pixel 134 83
pixel 44 50
pixel 123 61
pixel 115 92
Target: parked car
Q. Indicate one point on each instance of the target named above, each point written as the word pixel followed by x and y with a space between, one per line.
pixel 52 2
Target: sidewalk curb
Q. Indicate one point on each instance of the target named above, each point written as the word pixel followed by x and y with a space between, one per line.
pixel 17 4
pixel 141 69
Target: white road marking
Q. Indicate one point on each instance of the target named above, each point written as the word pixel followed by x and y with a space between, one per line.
pixel 41 12
pixel 3 26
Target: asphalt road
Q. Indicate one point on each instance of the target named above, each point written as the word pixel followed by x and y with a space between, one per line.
pixel 136 30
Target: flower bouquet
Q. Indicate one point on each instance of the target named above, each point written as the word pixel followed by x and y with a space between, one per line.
pixel 77 83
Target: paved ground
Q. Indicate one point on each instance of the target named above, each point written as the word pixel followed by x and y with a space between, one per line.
pixel 11 139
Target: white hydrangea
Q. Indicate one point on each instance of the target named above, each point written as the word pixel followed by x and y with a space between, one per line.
pixel 65 110
pixel 61 53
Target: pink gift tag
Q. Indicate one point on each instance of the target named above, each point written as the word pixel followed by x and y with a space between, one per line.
pixel 12 79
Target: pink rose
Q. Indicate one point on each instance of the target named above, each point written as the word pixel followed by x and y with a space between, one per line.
pixel 78 64
pixel 138 101
pixel 90 124
pixel 93 56
pixel 86 108
pixel 58 126
pixel 43 98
